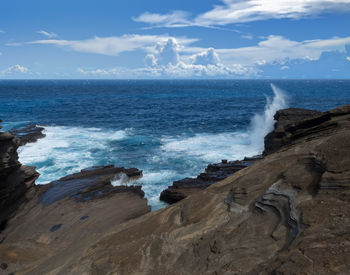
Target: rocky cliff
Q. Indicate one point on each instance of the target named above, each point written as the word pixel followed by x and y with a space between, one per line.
pixel 286 214
pixel 38 221
pixel 16 180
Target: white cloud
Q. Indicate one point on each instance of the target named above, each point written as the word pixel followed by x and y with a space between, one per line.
pixel 278 48
pixel 247 36
pixel 47 34
pixel 166 61
pixel 241 11
pixel 165 54
pixel 172 19
pixel 15 69
pixel 209 57
pixel 171 59
pixel 114 45
pixel 2 31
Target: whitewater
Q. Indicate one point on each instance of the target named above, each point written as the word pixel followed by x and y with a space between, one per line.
pixel 67 150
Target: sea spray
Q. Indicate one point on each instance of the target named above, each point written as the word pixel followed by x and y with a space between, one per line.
pixel 262 124
pixel 163 159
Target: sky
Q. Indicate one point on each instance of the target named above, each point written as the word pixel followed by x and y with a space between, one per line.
pixel 157 39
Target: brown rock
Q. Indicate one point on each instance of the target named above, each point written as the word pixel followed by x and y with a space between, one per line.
pixel 82 206
pixel 285 117
pixel 286 214
pixel 213 173
pixel 16 181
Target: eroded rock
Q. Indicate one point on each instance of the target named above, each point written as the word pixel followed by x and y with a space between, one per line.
pixel 286 214
pixel 16 180
pixel 212 174
pixel 28 134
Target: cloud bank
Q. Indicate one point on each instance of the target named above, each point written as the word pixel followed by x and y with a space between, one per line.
pixel 15 69
pixel 113 45
pixel 243 11
pixel 275 56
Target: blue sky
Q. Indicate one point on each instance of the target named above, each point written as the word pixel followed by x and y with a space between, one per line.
pixel 174 39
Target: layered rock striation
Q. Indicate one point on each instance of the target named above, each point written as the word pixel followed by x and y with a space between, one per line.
pixel 287 213
pixel 218 171
pixel 213 173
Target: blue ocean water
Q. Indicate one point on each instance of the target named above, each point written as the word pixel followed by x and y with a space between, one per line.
pixel 170 129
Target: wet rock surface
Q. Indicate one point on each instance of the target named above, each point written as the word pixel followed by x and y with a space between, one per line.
pixel 212 174
pixel 28 134
pixel 91 183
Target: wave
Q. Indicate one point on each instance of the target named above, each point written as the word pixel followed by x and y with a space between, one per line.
pixel 210 147
pixel 67 150
pixel 163 159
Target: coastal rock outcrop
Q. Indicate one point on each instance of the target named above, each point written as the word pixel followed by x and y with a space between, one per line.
pixel 81 206
pixel 16 180
pixel 286 214
pixel 274 140
pixel 28 134
pixel 216 172
pixel 213 173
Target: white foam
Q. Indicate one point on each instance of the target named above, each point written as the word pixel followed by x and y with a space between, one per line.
pixel 66 150
pixel 209 147
pixel 153 183
pixel 231 145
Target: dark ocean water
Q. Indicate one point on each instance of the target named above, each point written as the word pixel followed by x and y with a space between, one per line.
pixel 169 129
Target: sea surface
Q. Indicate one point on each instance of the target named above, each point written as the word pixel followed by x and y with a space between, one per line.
pixel 170 129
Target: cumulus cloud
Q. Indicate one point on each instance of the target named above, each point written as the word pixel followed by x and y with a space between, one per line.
pixel 47 34
pixel 15 69
pixel 171 59
pixel 242 11
pixel 113 45
pixel 165 54
pixel 168 61
pixel 209 57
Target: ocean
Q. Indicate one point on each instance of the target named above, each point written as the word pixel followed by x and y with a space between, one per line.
pixel 170 129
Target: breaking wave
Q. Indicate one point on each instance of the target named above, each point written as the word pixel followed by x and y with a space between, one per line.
pixel 67 150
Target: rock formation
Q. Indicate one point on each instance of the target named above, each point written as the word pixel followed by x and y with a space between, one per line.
pixel 285 214
pixel 212 174
pixel 216 172
pixel 28 134
pixel 77 207
pixel 16 180
pixel 273 141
